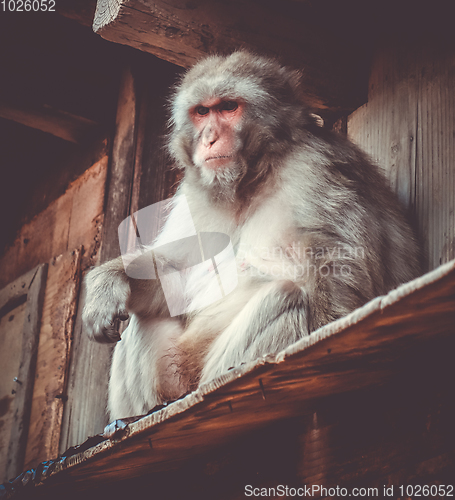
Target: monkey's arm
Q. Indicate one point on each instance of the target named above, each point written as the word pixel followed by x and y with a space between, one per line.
pixel 111 292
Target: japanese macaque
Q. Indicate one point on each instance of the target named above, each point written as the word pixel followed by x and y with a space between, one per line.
pixel 315 229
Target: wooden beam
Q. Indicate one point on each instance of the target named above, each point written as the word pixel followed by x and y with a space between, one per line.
pixel 182 32
pixel 53 121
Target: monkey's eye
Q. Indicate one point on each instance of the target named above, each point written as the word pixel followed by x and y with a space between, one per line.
pixel 229 106
pixel 202 110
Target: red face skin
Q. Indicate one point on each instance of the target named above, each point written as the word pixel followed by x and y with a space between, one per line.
pixel 215 120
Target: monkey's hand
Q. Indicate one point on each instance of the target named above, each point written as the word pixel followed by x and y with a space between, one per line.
pixel 108 291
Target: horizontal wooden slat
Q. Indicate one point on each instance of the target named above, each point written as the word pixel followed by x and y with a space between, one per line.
pixel 53 121
pixel 363 350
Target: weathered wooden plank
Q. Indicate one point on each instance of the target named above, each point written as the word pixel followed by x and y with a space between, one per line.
pixel 138 177
pixel 385 127
pixel 182 32
pixel 56 334
pixel 13 307
pixel 154 178
pixel 72 220
pixel 26 373
pixel 121 172
pixel 11 326
pixel 408 127
pixel 85 411
pixel 436 154
pixel 15 291
pixel 53 121
pixel 363 350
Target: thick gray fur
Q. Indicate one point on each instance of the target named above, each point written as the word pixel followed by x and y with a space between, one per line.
pixel 300 204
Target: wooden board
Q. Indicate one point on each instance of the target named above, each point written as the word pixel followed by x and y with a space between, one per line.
pixel 72 220
pixel 361 351
pixel 155 180
pixel 298 33
pixel 408 127
pixel 56 335
pixel 137 178
pixel 11 325
pixel 27 290
pixel 85 411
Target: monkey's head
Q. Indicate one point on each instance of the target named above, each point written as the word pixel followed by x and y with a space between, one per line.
pixel 233 118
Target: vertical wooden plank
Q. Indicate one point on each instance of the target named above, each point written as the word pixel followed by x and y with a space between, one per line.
pixel 408 127
pixel 24 392
pixel 49 395
pixel 138 177
pixel 11 325
pixel 72 220
pixel 158 180
pixel 385 126
pixel 121 171
pixel 85 412
pixel 436 154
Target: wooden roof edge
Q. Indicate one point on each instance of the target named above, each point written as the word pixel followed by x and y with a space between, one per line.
pixel 120 431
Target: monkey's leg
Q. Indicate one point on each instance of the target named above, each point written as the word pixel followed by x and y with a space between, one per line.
pixel 144 371
pixel 275 317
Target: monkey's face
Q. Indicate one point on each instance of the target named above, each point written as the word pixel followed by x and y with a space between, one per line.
pixel 216 122
pixel 232 117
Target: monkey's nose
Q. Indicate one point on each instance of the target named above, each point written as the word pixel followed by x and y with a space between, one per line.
pixel 210 141
pixel 210 137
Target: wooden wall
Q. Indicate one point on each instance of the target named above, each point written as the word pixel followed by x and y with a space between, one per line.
pixel 138 177
pixel 66 235
pixel 408 127
pixel 74 219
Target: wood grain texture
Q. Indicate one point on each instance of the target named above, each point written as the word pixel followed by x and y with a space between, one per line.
pixel 26 373
pixel 362 351
pixel 138 176
pixel 11 326
pixel 155 180
pixel 121 171
pixel 182 32
pixel 85 411
pixel 56 335
pixel 72 220
pixel 408 127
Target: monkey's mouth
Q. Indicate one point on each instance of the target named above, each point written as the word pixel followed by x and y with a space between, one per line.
pixel 218 157
pixel 215 162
